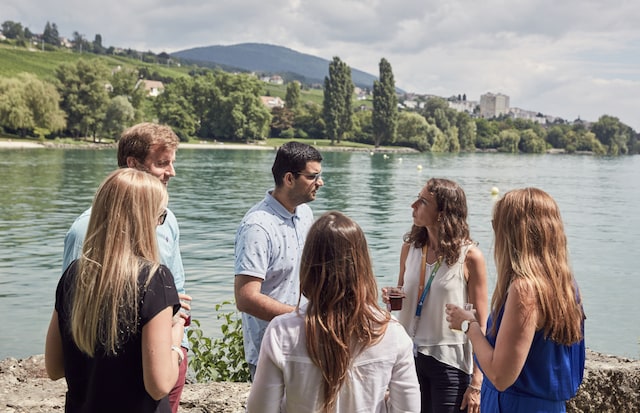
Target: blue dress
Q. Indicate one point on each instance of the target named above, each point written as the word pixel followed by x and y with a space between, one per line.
pixel 550 376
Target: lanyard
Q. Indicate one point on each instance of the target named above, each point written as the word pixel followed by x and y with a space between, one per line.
pixel 435 269
pixel 423 295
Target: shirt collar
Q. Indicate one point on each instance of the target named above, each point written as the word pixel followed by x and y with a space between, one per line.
pixel 278 208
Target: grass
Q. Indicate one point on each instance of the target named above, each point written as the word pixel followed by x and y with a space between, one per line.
pixel 15 60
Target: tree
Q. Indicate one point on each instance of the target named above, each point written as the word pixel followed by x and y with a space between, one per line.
pixel 508 141
pixel 362 126
pixel 292 98
pixel 309 121
pixel 50 34
pixel 281 120
pixel 466 131
pixel 12 30
pixel 338 95
pixel 385 106
pixel 84 95
pixel 80 43
pixel 412 130
pixel 530 142
pixel 125 82
pixel 613 134
pixel 119 115
pixel 97 46
pixel 27 103
pixel 174 108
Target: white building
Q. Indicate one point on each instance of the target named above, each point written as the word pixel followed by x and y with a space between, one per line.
pixel 493 105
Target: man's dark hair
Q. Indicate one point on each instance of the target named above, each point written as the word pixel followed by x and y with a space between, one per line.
pixel 293 157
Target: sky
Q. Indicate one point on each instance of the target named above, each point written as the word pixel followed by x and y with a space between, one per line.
pixel 569 58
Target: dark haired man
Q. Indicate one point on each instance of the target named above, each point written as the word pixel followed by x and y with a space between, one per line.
pixel 269 244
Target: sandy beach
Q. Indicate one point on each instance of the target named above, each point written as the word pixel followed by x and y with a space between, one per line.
pixel 19 145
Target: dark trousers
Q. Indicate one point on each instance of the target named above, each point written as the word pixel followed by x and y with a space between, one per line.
pixel 441 386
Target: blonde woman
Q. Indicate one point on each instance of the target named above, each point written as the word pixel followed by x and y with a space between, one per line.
pixel 113 334
pixel 339 352
pixel 533 354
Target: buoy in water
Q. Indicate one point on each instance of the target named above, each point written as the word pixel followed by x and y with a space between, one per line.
pixel 494 190
pixel 419 167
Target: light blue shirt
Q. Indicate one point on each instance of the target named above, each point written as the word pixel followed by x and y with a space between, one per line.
pixel 168 244
pixel 269 246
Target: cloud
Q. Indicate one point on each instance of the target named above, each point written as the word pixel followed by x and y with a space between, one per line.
pixel 569 59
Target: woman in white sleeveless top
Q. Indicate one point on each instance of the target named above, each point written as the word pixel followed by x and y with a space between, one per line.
pixel 439 248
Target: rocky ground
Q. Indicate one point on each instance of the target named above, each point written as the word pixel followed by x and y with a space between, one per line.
pixel 611 384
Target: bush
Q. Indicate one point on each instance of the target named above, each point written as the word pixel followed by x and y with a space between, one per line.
pixel 221 359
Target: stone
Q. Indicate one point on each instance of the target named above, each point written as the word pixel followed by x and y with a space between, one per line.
pixel 611 384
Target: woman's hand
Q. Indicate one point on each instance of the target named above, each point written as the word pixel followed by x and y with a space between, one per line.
pixel 471 400
pixel 385 295
pixel 456 315
pixel 177 328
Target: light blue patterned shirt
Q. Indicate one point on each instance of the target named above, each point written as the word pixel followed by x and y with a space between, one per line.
pixel 269 246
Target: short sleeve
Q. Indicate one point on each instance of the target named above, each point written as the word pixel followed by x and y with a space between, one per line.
pixel 158 295
pixel 252 250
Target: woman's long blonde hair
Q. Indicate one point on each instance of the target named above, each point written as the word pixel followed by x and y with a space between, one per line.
pixel 343 317
pixel 531 247
pixel 120 242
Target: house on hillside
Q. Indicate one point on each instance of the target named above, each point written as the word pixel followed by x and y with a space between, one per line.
pixel 273 79
pixel 272 102
pixel 152 87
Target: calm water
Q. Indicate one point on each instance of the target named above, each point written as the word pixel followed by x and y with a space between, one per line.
pixel 43 190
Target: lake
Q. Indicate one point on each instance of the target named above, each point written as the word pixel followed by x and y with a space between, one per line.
pixel 43 190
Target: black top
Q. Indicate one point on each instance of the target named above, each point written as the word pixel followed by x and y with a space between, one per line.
pixel 113 383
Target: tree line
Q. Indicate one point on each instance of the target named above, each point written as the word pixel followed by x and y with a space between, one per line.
pixel 89 99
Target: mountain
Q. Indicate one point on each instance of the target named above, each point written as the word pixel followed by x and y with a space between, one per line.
pixel 272 59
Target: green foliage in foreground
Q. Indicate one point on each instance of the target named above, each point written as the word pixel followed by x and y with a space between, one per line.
pixel 221 359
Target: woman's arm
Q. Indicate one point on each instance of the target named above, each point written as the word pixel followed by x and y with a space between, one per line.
pixel 53 354
pixel 404 390
pixel 159 362
pixel 502 365
pixel 404 252
pixel 475 270
pixel 267 389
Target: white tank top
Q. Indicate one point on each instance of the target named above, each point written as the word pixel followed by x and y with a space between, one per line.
pixel 433 337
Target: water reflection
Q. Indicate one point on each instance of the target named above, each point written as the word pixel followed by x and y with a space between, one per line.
pixel 44 190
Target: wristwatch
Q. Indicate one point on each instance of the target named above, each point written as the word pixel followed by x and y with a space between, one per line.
pixel 466 324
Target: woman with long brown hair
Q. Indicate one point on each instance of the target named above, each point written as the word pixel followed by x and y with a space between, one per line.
pixel 533 354
pixel 340 352
pixel 113 334
pixel 439 264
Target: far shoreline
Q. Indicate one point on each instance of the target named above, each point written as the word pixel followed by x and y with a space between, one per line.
pixel 24 144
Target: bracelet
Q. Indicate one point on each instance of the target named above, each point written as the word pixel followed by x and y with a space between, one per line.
pixel 180 354
pixel 476 388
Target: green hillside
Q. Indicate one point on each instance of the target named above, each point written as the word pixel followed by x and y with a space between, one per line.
pixel 15 60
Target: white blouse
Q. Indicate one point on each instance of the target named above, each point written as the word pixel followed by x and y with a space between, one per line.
pixel 286 379
pixel 433 337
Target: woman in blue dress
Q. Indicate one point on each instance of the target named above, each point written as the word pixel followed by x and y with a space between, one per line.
pixel 533 354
